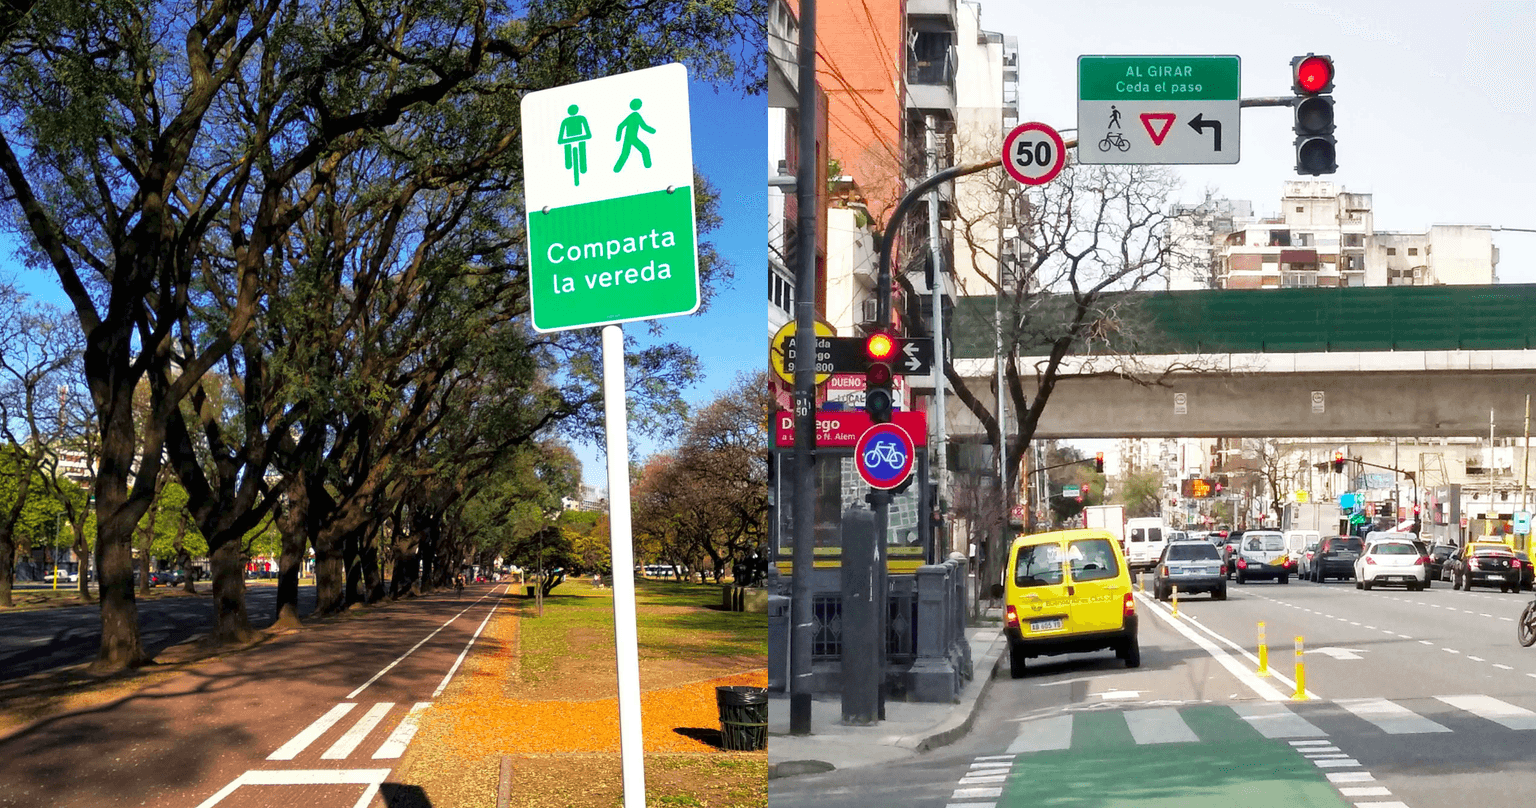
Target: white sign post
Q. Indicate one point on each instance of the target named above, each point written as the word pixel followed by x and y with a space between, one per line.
pixel 608 192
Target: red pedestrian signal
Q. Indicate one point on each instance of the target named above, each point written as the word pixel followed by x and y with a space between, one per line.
pixel 1098 462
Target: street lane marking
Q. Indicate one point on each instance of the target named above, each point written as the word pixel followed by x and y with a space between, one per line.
pixel 1277 721
pixel 1043 735
pixel 1365 791
pixel 1334 764
pixel 457 662
pixel 1476 658
pixel 1425 642
pixel 1482 614
pixel 1391 804
pixel 404 732
pixel 1161 725
pixel 1450 650
pixel 1317 750
pixel 968 793
pixel 1299 744
pixel 402 657
pixel 1350 777
pixel 996 757
pixel 321 725
pixel 1391 717
pixel 371 778
pixel 1502 667
pixel 980 779
pixel 1499 712
pixel 971 805
pixel 349 740
pixel 1246 676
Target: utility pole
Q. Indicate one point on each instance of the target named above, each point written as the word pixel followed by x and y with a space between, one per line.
pixel 936 255
pixel 802 621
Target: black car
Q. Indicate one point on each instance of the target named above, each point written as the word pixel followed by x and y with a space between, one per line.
pixel 1527 572
pixel 1229 552
pixel 1486 565
pixel 1335 558
pixel 162 578
pixel 1438 555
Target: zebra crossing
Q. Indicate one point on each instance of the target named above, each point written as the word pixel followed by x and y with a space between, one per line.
pixel 353 737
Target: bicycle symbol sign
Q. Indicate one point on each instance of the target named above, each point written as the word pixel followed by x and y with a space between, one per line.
pixel 884 455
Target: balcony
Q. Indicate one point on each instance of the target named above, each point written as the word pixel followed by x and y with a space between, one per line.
pixel 931 74
pixel 932 15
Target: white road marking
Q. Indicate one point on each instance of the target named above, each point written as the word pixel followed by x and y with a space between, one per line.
pixel 1259 686
pixel 1450 650
pixel 1476 658
pixel 1350 777
pixel 1335 764
pixel 457 662
pixel 1118 695
pixel 354 736
pixel 1162 725
pixel 1042 735
pixel 1365 791
pixel 995 757
pixel 1317 750
pixel 1307 743
pixel 306 777
pixel 1391 804
pixel 968 793
pixel 1502 667
pixel 1372 628
pixel 401 738
pixel 307 736
pixel 1483 614
pixel 971 805
pixel 1391 717
pixel 1277 721
pixel 1499 712
pixel 402 657
pixel 1425 642
pixel 981 779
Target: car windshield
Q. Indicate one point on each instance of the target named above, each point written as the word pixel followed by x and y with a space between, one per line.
pixel 1038 565
pixel 1193 552
pixel 1352 545
pixel 1263 542
pixel 1395 549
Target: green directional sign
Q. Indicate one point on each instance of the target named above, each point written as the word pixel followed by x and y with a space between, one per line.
pixel 1357 518
pixel 1138 110
pixel 608 181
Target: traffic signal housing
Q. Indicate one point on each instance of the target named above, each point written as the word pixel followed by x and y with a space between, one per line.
pixel 1098 462
pixel 1338 462
pixel 879 396
pixel 1312 81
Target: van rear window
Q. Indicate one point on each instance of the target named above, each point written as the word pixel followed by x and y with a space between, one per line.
pixel 1092 560
pixel 1038 565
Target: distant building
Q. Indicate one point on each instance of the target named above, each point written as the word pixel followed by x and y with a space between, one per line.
pixel 593 498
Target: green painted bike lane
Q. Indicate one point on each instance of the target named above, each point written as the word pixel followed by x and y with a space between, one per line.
pixel 1231 765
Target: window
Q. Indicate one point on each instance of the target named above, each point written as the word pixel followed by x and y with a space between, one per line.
pixel 781 291
pixel 1193 551
pixel 1038 565
pixel 1093 560
pixel 1391 251
pixel 1413 250
pixel 1300 209
pixel 1395 549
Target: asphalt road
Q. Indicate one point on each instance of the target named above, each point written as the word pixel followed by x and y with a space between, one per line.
pixel 35 641
pixel 1418 699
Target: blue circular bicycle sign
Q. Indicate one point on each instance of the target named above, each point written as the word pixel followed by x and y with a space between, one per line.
pixel 884 455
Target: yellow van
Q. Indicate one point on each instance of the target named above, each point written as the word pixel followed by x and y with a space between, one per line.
pixel 1067 591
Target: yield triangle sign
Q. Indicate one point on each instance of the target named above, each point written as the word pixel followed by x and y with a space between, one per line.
pixel 1157 133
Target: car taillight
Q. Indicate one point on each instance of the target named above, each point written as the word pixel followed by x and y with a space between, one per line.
pixel 1129 605
pixel 1163 570
pixel 1370 560
pixel 1013 617
pixel 1421 561
pixel 1242 563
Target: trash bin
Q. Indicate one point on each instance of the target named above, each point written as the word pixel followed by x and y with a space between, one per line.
pixel 743 718
pixel 531 587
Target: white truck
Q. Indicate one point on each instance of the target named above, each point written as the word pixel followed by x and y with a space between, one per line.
pixel 1108 517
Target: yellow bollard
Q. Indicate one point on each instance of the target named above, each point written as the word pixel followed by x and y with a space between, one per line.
pixel 1175 601
pixel 1263 651
pixel 1301 675
pixel 1141 583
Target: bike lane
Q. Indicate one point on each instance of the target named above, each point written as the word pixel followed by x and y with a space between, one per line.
pixel 317 717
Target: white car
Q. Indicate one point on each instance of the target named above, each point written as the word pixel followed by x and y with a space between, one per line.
pixel 1392 561
pixel 65 577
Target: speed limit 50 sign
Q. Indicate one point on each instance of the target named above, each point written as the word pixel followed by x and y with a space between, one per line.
pixel 1033 153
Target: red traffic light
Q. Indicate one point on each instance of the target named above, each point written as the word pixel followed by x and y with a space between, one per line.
pixel 1098 462
pixel 880 347
pixel 1314 74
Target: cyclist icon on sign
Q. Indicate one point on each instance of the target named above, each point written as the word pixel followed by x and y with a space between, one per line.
pixel 884 455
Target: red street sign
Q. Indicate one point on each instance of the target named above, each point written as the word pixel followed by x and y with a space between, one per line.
pixel 1033 153
pixel 843 428
pixel 1164 118
pixel 884 455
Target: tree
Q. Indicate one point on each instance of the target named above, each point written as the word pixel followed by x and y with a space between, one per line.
pixel 138 170
pixel 1141 493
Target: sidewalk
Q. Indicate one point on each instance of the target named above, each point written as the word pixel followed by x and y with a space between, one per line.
pixel 909 728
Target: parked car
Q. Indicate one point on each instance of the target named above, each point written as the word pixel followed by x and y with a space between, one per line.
pixel 1176 535
pixel 1067 591
pixel 1439 554
pixel 162 578
pixel 1262 556
pixel 1392 561
pixel 65 577
pixel 1335 558
pixel 1194 567
pixel 1486 564
pixel 1527 571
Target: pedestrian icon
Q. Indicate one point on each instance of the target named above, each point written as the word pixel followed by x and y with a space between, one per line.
pixel 574 134
pixel 629 134
pixel 1114 117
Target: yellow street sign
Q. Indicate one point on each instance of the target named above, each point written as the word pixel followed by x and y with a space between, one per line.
pixel 776 350
pixel 1302 497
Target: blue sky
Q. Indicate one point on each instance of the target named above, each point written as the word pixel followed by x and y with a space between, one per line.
pixel 729 148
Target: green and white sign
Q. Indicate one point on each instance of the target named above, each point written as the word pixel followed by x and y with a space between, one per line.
pixel 1140 110
pixel 608 183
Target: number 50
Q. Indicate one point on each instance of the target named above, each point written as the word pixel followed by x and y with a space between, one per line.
pixel 1028 152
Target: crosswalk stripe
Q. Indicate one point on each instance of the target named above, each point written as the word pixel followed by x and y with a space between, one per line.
pixel 978 779
pixel 401 737
pixel 971 805
pixel 1331 764
pixel 1159 725
pixel 298 743
pixel 351 738
pixel 1365 791
pixel 1499 712
pixel 1391 717
pixel 1043 735
pixel 1274 720
pixel 977 792
pixel 1351 777
pixel 994 757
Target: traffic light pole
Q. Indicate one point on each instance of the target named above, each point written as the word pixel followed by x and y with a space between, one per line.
pixel 802 620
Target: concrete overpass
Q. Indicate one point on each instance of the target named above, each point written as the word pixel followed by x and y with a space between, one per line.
pixel 1374 362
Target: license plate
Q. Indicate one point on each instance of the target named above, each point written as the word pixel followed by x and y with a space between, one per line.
pixel 1045 625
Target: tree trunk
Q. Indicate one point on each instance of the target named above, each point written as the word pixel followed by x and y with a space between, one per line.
pixel 144 572
pixel 121 646
pixel 82 552
pixel 373 582
pixel 231 624
pixel 404 580
pixel 330 576
pixel 353 564
pixel 7 567
pixel 427 551
pixel 293 524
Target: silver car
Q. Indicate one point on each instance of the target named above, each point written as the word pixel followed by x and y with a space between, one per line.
pixel 1192 566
